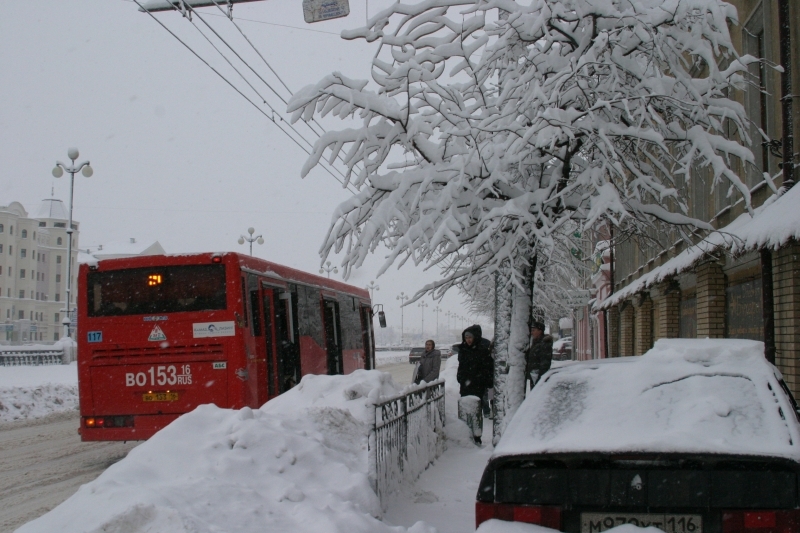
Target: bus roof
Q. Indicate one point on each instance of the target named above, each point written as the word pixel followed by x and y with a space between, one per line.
pixel 253 264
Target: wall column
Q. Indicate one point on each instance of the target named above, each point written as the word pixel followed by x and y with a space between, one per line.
pixel 626 330
pixel 786 294
pixel 710 301
pixel 643 337
pixel 612 316
pixel 667 303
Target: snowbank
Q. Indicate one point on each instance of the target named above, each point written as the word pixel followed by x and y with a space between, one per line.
pixel 684 395
pixel 297 464
pixel 37 391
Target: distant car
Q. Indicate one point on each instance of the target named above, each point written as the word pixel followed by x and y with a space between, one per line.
pixel 695 436
pixel 446 352
pixel 562 349
pixel 415 354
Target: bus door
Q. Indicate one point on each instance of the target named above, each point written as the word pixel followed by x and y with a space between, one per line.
pixel 288 340
pixel 367 337
pixel 333 337
pixel 267 299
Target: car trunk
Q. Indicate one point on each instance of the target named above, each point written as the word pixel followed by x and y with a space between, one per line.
pixel 593 493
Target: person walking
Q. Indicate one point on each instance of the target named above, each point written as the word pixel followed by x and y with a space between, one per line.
pixel 475 375
pixel 429 364
pixel 540 354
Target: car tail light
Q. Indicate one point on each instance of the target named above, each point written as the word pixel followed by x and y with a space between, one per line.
pixel 530 514
pixel 761 521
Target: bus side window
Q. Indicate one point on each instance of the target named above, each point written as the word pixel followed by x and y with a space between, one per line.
pixel 252 286
pixel 244 303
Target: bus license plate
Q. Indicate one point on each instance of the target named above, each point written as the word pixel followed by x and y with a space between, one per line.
pixel 160 396
pixel 670 523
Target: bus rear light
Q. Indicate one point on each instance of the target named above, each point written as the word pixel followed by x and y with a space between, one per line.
pixel 216 259
pixel 761 521
pixel 530 514
pixel 108 421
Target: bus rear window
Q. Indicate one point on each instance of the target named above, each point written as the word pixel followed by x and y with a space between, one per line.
pixel 172 289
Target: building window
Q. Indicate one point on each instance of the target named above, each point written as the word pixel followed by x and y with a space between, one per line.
pixel 8 313
pixel 9 271
pixel 21 272
pixel 24 234
pixel 11 230
pixel 58 259
pixel 59 241
pixel 1 228
pixel 58 297
pixel 58 278
pixel 34 235
pixel 10 250
pixel 21 315
pixel 58 318
pixel 23 252
pixel 1 248
pixel 21 295
pixel 59 224
pixel 758 99
pixel 55 336
pixel 44 258
pixel 31 315
pixel 42 224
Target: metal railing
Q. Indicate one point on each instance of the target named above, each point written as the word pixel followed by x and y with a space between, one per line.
pixel 22 357
pixel 407 437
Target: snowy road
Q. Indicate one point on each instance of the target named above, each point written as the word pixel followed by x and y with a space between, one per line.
pixel 43 462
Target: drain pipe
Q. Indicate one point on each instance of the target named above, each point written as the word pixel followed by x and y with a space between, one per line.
pixel 767 298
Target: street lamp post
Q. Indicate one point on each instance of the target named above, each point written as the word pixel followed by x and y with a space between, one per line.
pixel 371 288
pixel 436 310
pixel 251 239
pixel 402 299
pixel 422 306
pixel 58 171
pixel 328 268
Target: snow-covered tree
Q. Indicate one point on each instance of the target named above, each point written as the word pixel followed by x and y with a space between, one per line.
pixel 491 125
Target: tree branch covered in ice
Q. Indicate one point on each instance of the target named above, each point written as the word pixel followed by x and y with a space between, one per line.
pixel 490 125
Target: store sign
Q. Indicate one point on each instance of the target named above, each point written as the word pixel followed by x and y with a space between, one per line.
pixel 319 10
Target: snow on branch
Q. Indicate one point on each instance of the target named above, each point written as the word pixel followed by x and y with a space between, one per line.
pixel 516 121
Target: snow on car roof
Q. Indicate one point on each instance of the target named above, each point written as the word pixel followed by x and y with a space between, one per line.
pixel 684 395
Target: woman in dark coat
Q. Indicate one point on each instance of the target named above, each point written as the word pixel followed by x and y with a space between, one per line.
pixel 475 375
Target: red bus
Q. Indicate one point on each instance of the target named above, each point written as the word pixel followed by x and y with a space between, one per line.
pixel 160 335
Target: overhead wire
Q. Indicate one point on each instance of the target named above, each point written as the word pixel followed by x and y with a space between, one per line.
pixel 343 180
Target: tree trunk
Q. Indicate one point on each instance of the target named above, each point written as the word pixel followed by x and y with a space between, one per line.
pixel 513 316
pixel 502 334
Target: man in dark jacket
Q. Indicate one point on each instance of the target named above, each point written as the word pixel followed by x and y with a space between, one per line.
pixel 475 375
pixel 429 364
pixel 540 354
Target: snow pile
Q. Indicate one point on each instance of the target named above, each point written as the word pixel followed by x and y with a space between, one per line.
pixel 37 391
pixel 684 395
pixel 297 464
pixel 392 357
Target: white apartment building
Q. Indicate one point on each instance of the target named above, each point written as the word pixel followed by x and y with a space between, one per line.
pixel 33 270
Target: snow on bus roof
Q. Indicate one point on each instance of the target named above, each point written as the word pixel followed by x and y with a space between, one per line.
pixel 684 395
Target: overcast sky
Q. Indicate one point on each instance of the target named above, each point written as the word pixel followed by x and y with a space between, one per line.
pixel 179 157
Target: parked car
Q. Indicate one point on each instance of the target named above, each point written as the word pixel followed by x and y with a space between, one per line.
pixel 695 436
pixel 415 354
pixel 562 349
pixel 446 352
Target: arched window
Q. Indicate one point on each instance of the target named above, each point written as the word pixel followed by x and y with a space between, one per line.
pixel 24 234
pixel 58 241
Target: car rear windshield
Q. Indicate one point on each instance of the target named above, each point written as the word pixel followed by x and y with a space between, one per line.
pixel 171 289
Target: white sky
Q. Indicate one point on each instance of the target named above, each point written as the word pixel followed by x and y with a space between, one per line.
pixel 178 156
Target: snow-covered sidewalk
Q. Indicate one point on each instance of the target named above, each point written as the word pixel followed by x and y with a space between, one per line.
pixel 37 391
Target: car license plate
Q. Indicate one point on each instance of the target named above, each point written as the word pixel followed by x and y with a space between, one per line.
pixel 160 396
pixel 670 523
